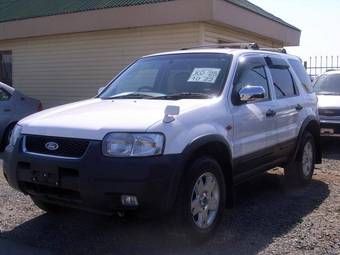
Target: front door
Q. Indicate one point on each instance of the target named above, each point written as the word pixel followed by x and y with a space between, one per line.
pixel 254 123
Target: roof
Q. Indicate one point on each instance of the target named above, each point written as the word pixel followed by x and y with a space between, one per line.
pixel 11 10
pixel 332 72
pixel 24 9
pixel 256 9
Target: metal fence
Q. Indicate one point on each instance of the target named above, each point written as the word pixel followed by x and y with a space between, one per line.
pixel 319 64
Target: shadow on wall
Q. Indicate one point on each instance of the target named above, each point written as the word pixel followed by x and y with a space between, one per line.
pixel 266 209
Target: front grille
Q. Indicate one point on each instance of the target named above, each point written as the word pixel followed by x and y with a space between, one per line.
pixel 66 147
pixel 329 112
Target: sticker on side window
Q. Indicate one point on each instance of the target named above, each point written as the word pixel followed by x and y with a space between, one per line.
pixel 208 75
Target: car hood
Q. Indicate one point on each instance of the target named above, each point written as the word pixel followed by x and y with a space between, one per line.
pixel 94 118
pixel 328 101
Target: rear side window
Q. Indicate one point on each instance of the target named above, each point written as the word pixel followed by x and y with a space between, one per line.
pixel 4 95
pixel 283 82
pixel 302 74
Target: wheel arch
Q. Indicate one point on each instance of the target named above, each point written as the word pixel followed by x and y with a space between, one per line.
pixel 312 125
pixel 2 136
pixel 216 147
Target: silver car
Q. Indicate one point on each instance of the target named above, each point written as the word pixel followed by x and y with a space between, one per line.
pixel 327 87
pixel 13 107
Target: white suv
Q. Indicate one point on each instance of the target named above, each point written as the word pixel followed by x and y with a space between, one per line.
pixel 327 88
pixel 173 132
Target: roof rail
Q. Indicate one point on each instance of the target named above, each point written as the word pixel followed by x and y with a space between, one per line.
pixel 250 46
pixel 279 50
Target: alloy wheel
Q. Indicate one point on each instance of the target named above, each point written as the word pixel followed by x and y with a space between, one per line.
pixel 307 159
pixel 205 200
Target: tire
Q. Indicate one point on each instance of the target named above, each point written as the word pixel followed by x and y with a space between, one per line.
pixel 7 136
pixel 302 169
pixel 47 207
pixel 201 200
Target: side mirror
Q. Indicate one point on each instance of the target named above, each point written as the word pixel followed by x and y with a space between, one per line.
pixel 100 90
pixel 252 93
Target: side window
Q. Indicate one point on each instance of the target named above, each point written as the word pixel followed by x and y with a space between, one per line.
pixel 283 82
pixel 4 96
pixel 302 74
pixel 250 72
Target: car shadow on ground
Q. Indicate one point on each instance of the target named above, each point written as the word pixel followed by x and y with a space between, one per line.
pixel 266 208
pixel 331 147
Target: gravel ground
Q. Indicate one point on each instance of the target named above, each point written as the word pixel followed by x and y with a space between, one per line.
pixel 269 218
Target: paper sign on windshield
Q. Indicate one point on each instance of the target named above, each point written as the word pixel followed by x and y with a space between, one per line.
pixel 208 75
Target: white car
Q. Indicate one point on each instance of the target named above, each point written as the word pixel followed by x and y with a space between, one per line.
pixel 173 132
pixel 327 88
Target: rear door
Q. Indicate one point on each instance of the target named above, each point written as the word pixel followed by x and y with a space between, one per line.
pixel 254 126
pixel 288 105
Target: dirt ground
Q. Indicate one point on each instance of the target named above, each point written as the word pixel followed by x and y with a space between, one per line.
pixel 269 218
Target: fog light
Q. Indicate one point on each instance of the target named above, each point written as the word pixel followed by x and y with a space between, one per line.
pixel 128 200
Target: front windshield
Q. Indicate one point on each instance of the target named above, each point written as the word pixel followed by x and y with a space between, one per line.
pixel 176 76
pixel 328 84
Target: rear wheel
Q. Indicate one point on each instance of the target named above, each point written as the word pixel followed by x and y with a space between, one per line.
pixel 301 171
pixel 201 204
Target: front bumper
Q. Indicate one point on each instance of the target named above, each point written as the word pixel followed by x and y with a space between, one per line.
pixel 95 182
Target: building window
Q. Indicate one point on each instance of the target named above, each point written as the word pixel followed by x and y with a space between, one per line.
pixel 6 67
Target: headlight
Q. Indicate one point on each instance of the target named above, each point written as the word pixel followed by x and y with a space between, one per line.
pixel 133 144
pixel 15 135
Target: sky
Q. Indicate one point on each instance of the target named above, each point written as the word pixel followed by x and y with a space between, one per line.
pixel 319 21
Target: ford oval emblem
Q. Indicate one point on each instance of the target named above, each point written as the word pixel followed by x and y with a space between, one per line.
pixel 52 146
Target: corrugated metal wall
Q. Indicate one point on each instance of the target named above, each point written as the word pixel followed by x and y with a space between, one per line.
pixel 65 68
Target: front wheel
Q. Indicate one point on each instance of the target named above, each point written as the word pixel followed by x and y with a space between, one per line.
pixel 7 137
pixel 201 205
pixel 302 169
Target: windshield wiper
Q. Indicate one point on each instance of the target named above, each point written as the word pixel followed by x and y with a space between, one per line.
pixel 186 95
pixel 133 95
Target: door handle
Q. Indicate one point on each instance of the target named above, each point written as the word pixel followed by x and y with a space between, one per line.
pixel 7 110
pixel 270 113
pixel 299 107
